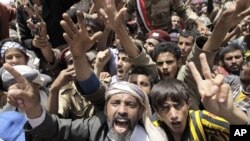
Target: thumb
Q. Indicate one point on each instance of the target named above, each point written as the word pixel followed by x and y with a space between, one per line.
pixel 122 14
pixel 244 13
pixel 96 36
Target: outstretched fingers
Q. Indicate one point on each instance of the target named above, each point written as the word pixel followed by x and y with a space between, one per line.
pixel 80 22
pixel 33 12
pixel 68 25
pixel 205 67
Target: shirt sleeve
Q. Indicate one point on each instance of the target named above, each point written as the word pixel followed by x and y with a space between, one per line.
pixel 37 121
pixel 90 85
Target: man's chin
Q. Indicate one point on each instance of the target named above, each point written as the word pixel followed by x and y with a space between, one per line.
pixel 120 134
pixel 120 130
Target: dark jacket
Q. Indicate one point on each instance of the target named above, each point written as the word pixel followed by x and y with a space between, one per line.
pixel 94 128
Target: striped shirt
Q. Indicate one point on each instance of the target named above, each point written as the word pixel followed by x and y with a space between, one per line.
pixel 203 126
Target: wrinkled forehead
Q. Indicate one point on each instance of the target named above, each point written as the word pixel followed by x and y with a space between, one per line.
pixel 124 96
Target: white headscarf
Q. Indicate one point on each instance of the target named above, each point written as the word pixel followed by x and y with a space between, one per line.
pixel 129 88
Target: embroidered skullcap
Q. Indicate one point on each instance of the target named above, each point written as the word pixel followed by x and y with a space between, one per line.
pixel 11 44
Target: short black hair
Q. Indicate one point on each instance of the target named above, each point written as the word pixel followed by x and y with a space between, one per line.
pixel 187 33
pixel 172 89
pixel 230 48
pixel 145 71
pixel 166 47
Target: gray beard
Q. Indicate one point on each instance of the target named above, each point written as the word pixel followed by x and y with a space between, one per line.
pixel 113 136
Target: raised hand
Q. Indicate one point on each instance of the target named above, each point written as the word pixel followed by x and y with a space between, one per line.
pixel 76 35
pixel 105 77
pixel 33 12
pixel 112 18
pixel 34 19
pixel 41 39
pixel 239 10
pixel 23 94
pixel 37 27
pixel 102 58
pixel 64 77
pixel 243 8
pixel 215 95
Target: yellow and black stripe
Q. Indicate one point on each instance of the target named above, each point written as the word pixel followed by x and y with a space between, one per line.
pixel 203 126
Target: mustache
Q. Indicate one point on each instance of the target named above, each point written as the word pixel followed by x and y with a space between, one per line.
pixel 123 117
pixel 119 116
pixel 235 65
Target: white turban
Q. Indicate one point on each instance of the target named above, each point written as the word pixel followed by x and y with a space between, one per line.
pixel 134 90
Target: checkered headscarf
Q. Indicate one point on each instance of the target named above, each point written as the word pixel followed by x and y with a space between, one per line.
pixel 11 44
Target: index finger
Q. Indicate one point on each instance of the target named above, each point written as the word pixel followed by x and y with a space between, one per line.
pixel 37 13
pixel 29 11
pixel 17 76
pixel 205 67
pixel 196 75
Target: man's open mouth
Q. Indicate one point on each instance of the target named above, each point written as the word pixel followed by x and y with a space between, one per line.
pixel 121 125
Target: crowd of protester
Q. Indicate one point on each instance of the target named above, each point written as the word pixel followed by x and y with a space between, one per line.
pixel 123 70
